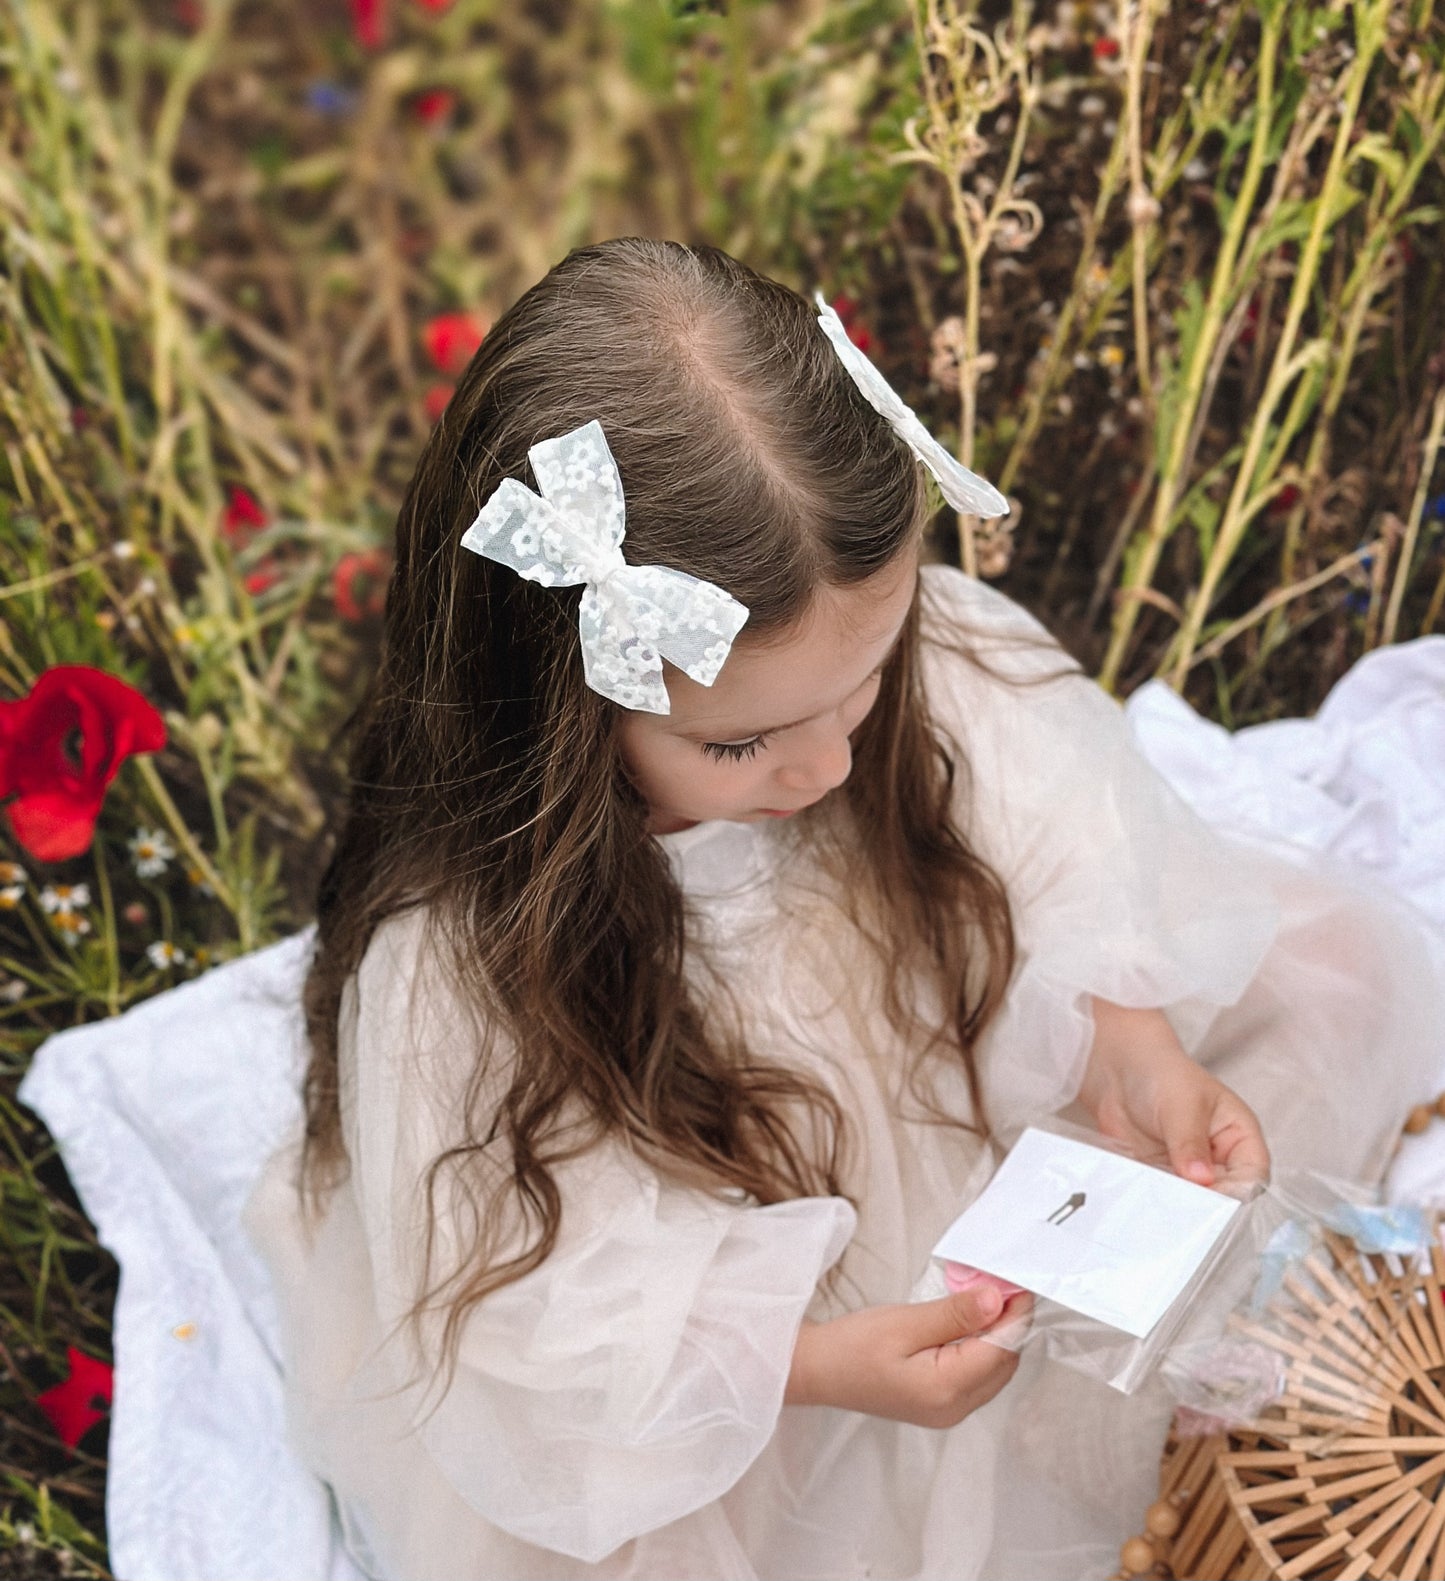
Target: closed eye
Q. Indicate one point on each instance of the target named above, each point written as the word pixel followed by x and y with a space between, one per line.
pixel 734 751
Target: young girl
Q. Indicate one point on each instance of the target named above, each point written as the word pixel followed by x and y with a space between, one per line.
pixel 719 889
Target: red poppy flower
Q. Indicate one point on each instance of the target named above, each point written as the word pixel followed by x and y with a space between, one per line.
pixel 358 584
pixel 1250 328
pixel 71 1406
pixel 451 338
pixel 366 23
pixel 434 105
pixel 60 748
pixel 847 309
pixel 435 400
pixel 267 574
pixel 1286 500
pixel 243 516
pixel 1105 48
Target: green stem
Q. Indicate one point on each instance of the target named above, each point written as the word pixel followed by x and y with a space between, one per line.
pixel 107 910
pixel 1244 502
pixel 1417 512
pixel 184 838
pixel 1222 286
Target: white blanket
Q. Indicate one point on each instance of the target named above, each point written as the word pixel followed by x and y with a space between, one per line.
pixel 165 1115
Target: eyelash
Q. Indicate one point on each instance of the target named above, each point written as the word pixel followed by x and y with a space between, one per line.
pixel 736 751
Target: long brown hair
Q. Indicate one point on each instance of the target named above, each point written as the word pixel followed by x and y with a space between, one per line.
pixel 487 784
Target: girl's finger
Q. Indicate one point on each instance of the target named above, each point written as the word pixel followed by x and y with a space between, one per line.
pixel 1239 1146
pixel 954 1317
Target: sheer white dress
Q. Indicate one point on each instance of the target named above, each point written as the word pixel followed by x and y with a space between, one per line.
pixel 618 1412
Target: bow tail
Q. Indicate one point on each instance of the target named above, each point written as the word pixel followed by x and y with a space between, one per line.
pixel 617 660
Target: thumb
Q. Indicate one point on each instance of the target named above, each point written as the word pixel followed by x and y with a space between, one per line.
pixel 955 1316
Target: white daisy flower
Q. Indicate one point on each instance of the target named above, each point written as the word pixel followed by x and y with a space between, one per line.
pixel 64 897
pixel 13 990
pixel 163 953
pixel 71 923
pixel 10 896
pixel 151 851
pixel 13 873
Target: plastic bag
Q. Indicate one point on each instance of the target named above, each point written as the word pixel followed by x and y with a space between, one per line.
pixel 1214 1342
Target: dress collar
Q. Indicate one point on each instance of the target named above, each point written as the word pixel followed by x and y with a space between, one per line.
pixel 718 857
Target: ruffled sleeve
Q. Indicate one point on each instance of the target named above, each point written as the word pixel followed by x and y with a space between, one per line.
pixel 1118 889
pixel 631 1378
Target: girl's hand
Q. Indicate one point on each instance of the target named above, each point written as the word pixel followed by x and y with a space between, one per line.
pixel 1143 1090
pixel 911 1363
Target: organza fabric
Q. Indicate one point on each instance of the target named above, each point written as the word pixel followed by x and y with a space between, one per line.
pixel 618 1412
pixel 630 617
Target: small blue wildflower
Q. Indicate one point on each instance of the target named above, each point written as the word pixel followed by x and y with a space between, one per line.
pixel 330 98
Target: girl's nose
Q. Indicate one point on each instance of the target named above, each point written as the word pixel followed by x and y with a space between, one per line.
pixel 820 767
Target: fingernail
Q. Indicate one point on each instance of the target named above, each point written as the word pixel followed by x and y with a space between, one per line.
pixel 990 1303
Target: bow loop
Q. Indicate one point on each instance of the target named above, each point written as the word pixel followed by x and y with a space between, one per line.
pixel 631 617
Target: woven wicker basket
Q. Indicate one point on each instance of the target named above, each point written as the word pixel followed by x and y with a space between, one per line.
pixel 1343 1476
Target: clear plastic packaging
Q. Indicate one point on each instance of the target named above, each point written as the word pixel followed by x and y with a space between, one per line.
pixel 1229 1344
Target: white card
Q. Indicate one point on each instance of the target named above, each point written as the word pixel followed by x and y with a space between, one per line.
pixel 1103 1235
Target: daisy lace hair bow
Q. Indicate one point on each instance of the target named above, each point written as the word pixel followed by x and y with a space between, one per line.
pixel 631 616
pixel 964 490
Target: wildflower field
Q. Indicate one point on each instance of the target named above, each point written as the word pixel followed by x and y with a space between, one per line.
pixel 1167 271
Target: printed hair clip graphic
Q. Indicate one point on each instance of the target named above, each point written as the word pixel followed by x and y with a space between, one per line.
pixel 964 490
pixel 631 616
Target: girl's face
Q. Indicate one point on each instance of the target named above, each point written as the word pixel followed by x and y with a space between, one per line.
pixel 771 734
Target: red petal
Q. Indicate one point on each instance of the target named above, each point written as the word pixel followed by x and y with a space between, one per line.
pixel 68 1404
pixel 54 826
pixel 366 23
pixel 435 5
pixel 434 105
pixel 371 567
pixel 451 338
pixel 434 402
pixel 847 310
pixel 1286 500
pixel 57 800
pixel 243 515
pixel 267 574
pixel 1105 48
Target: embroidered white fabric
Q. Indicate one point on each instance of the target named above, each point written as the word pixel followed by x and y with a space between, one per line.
pixel 631 616
pixel 634 1378
pixel 964 490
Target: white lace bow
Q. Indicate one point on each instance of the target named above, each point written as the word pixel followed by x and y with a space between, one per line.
pixel 964 490
pixel 632 616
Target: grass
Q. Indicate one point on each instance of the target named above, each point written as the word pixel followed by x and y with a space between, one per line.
pixel 1169 273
